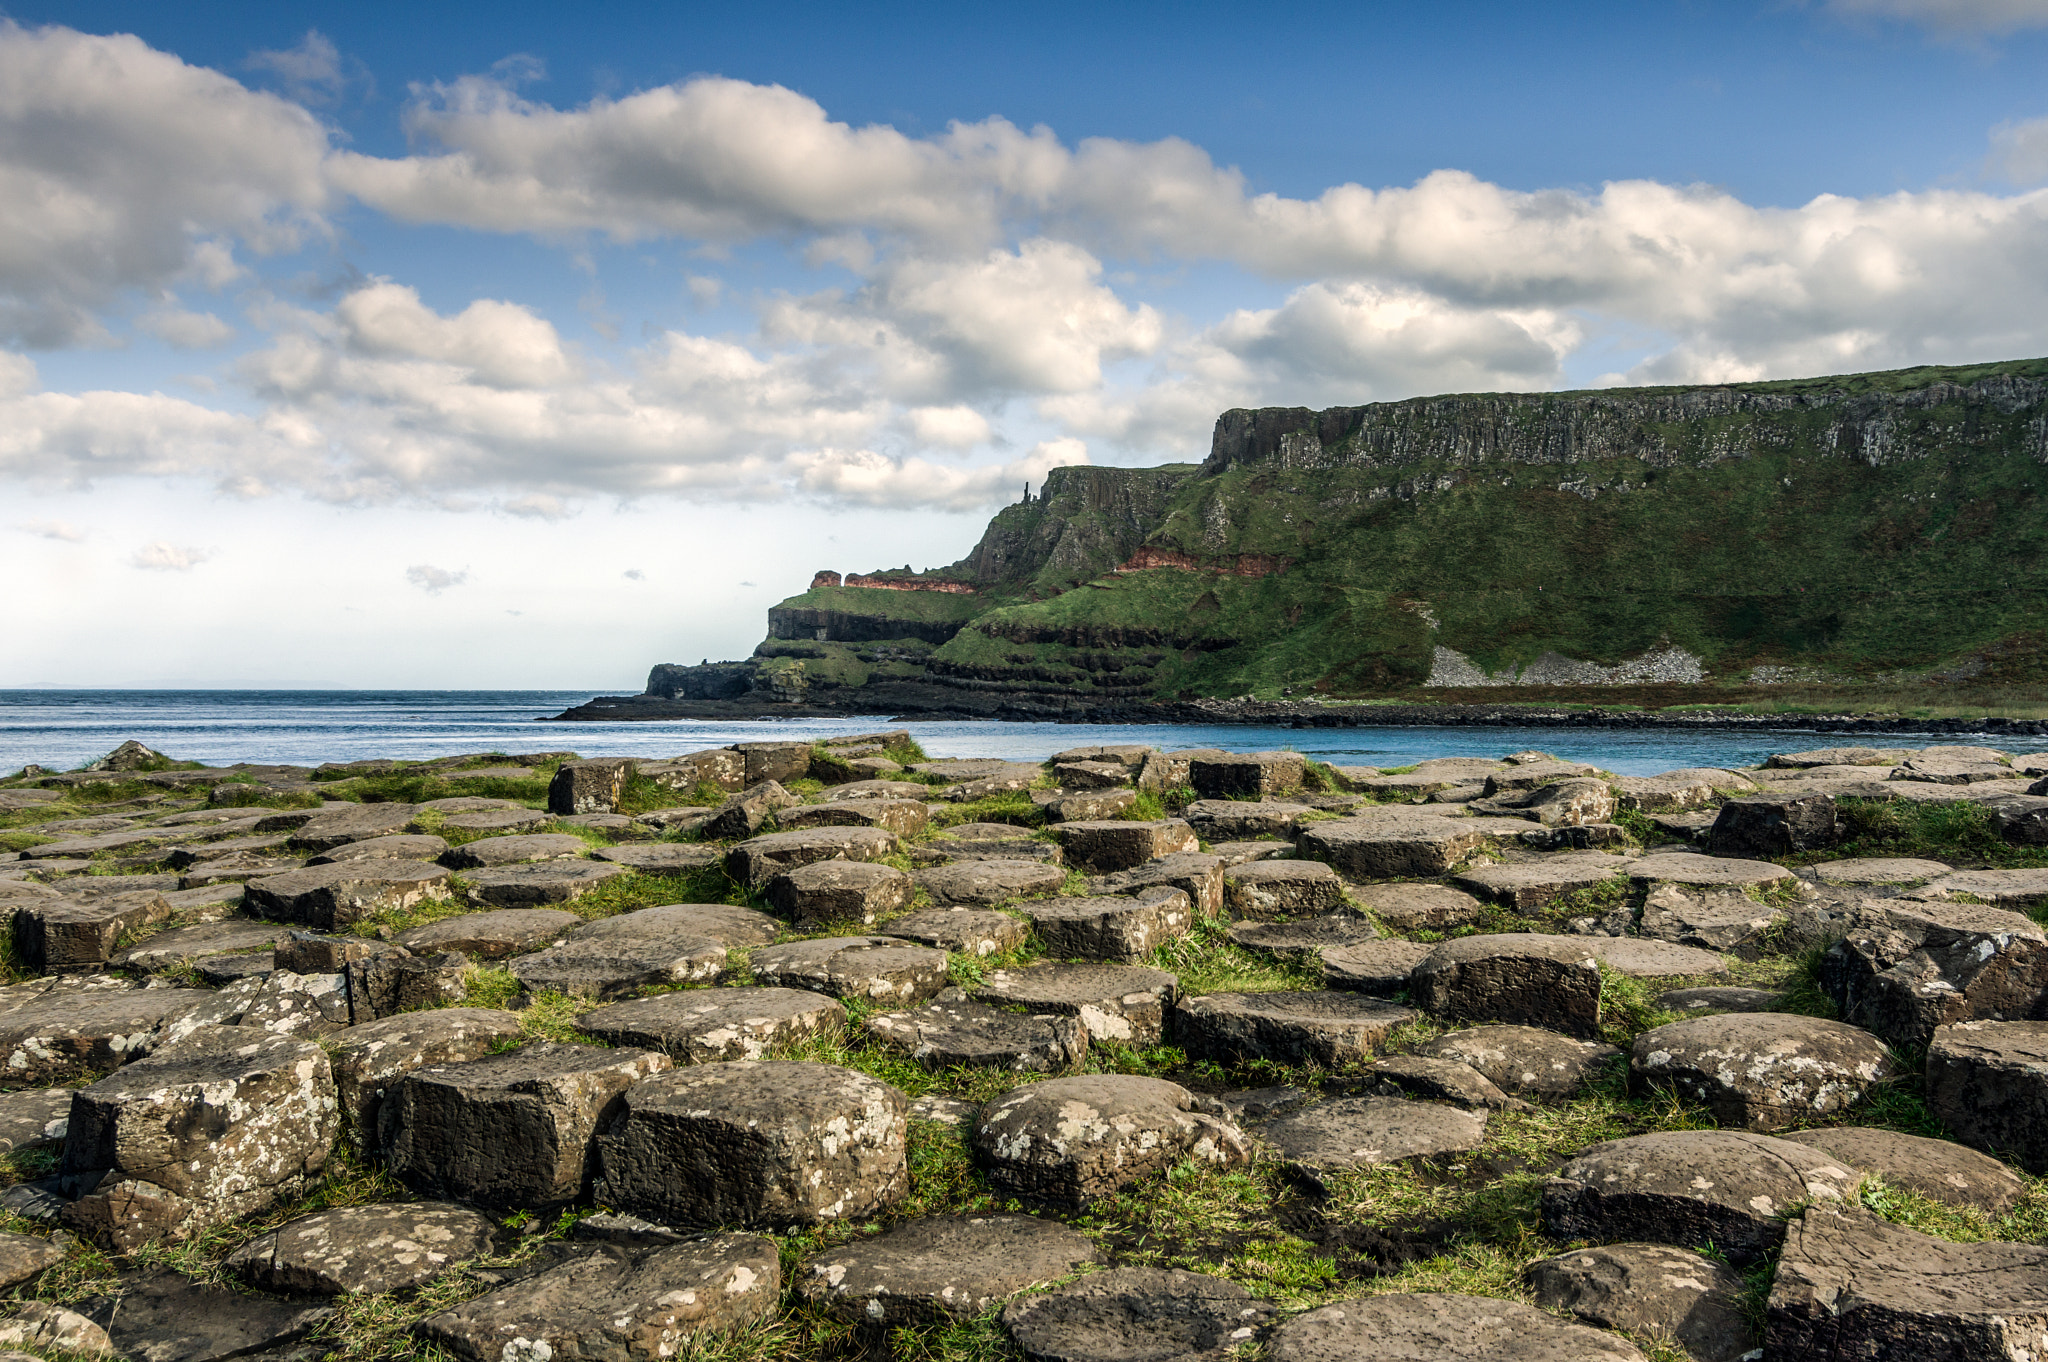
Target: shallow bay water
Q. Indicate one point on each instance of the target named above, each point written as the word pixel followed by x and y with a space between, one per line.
pixel 63 729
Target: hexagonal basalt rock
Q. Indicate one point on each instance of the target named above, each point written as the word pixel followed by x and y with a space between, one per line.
pixel 221 1123
pixel 1925 965
pixel 1364 1130
pixel 1270 891
pixel 1989 1082
pixel 493 935
pixel 512 1129
pixel 1653 1289
pixel 1391 844
pixel 370 1059
pixel 399 846
pixel 1105 847
pixel 677 943
pixel 335 825
pixel 1440 1328
pixel 1257 774
pixel 61 1035
pixel 1195 873
pixel 1286 1027
pixel 333 897
pixel 1419 907
pixel 618 1304
pixel 756 1143
pixel 904 817
pixel 1066 1141
pixel 34 1118
pixel 1866 872
pixel 1767 825
pixel 366 1249
pixel 1137 1314
pixel 1115 1002
pixel 1528 885
pixel 879 969
pixel 760 859
pixel 594 785
pixel 534 848
pixel 1224 820
pixel 1760 1070
pixel 1304 939
pixel 989 882
pixel 1524 1060
pixel 1941 1170
pixel 974 931
pixel 828 892
pixel 1685 867
pixel 1112 928
pixel 942 1268
pixel 954 1030
pixel 1547 981
pixel 1076 806
pixel 1692 1188
pixel 1640 958
pixel 1375 967
pixel 704 1025
pixel 80 933
pixel 661 858
pixel 529 886
pixel 1429 1079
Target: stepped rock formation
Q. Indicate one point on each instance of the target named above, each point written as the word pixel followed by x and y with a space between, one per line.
pixel 1878 527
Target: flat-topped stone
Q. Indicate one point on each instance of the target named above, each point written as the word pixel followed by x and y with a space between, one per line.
pixel 1988 1081
pixel 1685 867
pixel 1302 939
pixel 879 969
pixel 1547 981
pixel 362 1249
pixel 60 1035
pixel 1650 1289
pixel 1067 1141
pixel 942 1268
pixel 1115 1002
pixel 1076 806
pixel 1395 844
pixel 954 1030
pixel 406 846
pixel 1270 891
pixel 1326 1028
pixel 1355 1131
pixel 1419 907
pixel 1223 820
pixel 1526 886
pixel 1115 927
pixel 1640 958
pixel 1255 849
pixel 515 850
pixel 1880 870
pixel 1104 847
pixel 338 824
pixel 1526 1061
pixel 1441 1328
pixel 661 858
pixel 974 931
pixel 1226 775
pixel 705 1025
pixel 1195 873
pixel 990 881
pixel 1714 917
pixel 830 892
pixel 1905 968
pixel 1720 998
pixel 531 886
pixel 904 817
pixel 680 943
pixel 760 859
pixel 493 935
pixel 1760 1070
pixel 334 897
pixel 64 934
pixel 2016 889
pixel 370 1059
pixel 1940 1170
pixel 1137 1314
pixel 1377 967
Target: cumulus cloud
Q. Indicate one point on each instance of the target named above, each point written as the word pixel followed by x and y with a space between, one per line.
pixel 62 531
pixel 865 478
pixel 18 375
pixel 1951 16
pixel 313 72
pixel 186 330
pixel 159 556
pixel 434 580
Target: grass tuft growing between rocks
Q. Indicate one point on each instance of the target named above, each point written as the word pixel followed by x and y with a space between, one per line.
pixel 1962 833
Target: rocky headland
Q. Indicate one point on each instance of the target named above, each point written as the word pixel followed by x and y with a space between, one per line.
pixel 783 1050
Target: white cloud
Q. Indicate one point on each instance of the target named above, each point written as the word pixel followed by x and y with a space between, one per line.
pixel 60 530
pixel 1951 16
pixel 159 556
pixel 497 343
pixel 434 580
pixel 2019 151
pixel 948 427
pixel 18 376
pixel 186 330
pixel 865 478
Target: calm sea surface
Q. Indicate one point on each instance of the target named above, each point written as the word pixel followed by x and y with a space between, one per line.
pixel 62 729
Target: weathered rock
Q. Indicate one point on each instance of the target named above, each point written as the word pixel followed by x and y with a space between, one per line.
pixel 745 813
pixel 1524 1060
pixel 1685 867
pixel 34 1118
pixel 1526 886
pixel 1546 981
pixel 1561 804
pixel 1060 806
pixel 1419 907
pixel 493 935
pixel 1305 939
pixel 1365 1130
pixel 1222 820
pixel 385 985
pixel 529 886
pixel 1988 1081
pixel 1441 1329
pixel 309 1006
pixel 333 897
pixel 617 1303
pixel 1115 1002
pixel 1939 1169
pixel 760 859
pixel 1376 967
pixel 828 892
pixel 614 957
pixel 904 817
pixel 702 1025
pixel 24 1257
pixel 954 1030
pixel 719 766
pixel 988 882
pixel 362 1249
pixel 60 935
pixel 2015 889
pixel 592 786
pixel 498 821
pixel 1715 919
pixel 407 846
pixel 229 848
pixel 1103 848
pixel 986 842
pixel 1850 1285
pixel 1428 1079
pixel 661 858
pixel 1110 928
pixel 1137 1314
pixel 1690 1188
pixel 1195 873
pixel 512 1129
pixel 1091 775
pixel 943 1268
pixel 56 1035
pixel 40 1325
pixel 1919 965
pixel 975 931
pixel 313 953
pixel 1760 1070
pixel 757 1143
pixel 222 1123
pixel 1761 827
pixel 1720 998
pixel 1650 1289
pixel 1066 1141
pixel 369 1060
pixel 488 852
pixel 169 949
pixel 1883 870
pixel 337 825
pixel 1253 774
pixel 1670 792
pixel 1286 1028
pixel 878 969
pixel 1277 890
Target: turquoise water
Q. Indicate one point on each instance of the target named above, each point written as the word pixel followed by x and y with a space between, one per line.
pixel 63 729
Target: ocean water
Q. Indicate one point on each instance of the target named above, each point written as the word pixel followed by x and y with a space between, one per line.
pixel 63 729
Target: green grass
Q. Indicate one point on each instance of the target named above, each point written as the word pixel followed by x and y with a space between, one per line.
pixel 1961 833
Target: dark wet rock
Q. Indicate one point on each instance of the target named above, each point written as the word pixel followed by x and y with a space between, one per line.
pixel 661 858
pixel 510 1130
pixel 1288 1027
pixel 530 886
pixel 614 957
pixel 1137 1314
pixel 756 1143
pixel 1379 967
pixel 1441 1328
pixel 1091 775
pixel 829 892
pixel 1760 1070
pixel 1066 1141
pixel 487 852
pixel 1305 939
pixel 369 1060
pixel 1939 1169
pixel 1526 1061
pixel 1919 966
pixel 703 1025
pixel 1271 891
pixel 953 1030
pixel 975 931
pixel 1115 1002
pixel 362 1249
pixel 990 881
pixel 385 985
pixel 942 1268
pixel 594 785
pixel 333 897
pixel 1650 1289
pixel 494 935
pixel 1110 928
pixel 1103 848
pixel 81 934
pixel 618 1303
pixel 758 860
pixel 219 1124
pixel 1365 1130
pixel 877 969
pixel 1547 981
pixel 1693 1188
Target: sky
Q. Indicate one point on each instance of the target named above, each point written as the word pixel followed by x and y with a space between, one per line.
pixel 526 346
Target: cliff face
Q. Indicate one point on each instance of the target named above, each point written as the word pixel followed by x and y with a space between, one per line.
pixel 1871 527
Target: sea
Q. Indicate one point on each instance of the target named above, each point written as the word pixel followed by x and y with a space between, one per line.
pixel 64 729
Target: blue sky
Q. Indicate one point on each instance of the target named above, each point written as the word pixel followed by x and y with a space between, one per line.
pixel 531 345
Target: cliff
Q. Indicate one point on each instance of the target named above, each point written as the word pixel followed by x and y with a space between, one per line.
pixel 1861 529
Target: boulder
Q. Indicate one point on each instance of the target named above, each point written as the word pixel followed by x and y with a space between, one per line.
pixel 703 1025
pixel 1354 1131
pixel 1067 1141
pixel 529 886
pixel 1419 907
pixel 1137 1314
pixel 876 969
pixel 1761 827
pixel 339 824
pixel 1547 981
pixel 615 957
pixel 953 1030
pixel 944 1268
pixel 60 935
pixel 1526 886
pixel 488 852
pixel 974 931
pixel 1377 967
pixel 1649 1289
pixel 514 1129
pixel 618 1302
pixel 222 1123
pixel 760 859
pixel 1102 848
pixel 1910 967
pixel 1328 1029
pixel 1670 792
pixel 1115 1002
pixel 1276 890
pixel 763 1143
pixel 493 935
pixel 334 897
pixel 1524 1060
pixel 989 881
pixel 1253 774
pixel 592 786
pixel 1306 939
pixel 1760 1070
pixel 1441 1328
pixel 828 892
pixel 1110 928
pixel 365 1250
pixel 1692 1188
pixel 1940 1170
pixel 369 1060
